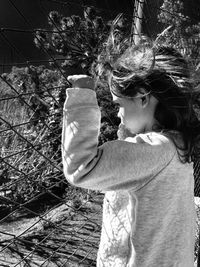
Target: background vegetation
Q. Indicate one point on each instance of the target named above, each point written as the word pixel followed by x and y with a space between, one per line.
pixel 31 111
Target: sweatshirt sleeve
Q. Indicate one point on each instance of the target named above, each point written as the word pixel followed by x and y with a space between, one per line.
pixel 116 165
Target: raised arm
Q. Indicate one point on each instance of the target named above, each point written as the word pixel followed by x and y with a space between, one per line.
pixel 115 165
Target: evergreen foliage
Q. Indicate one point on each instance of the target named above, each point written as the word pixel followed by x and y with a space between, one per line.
pixel 77 41
pixel 184 34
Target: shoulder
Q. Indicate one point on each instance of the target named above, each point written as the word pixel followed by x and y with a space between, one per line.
pixel 151 138
pixel 152 145
pixel 160 145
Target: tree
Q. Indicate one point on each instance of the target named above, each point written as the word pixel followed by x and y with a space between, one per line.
pixel 183 34
pixel 77 41
pixel 75 38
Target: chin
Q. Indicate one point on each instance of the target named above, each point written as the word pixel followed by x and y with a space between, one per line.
pixel 123 132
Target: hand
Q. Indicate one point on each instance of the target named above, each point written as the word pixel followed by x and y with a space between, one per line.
pixel 81 81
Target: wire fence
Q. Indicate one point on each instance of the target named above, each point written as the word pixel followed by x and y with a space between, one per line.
pixel 43 220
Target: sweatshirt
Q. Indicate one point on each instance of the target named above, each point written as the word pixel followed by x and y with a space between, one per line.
pixel 148 209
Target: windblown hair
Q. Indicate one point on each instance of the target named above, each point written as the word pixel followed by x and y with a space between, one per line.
pixel 162 72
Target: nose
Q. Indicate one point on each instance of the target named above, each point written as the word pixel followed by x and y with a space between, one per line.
pixel 119 114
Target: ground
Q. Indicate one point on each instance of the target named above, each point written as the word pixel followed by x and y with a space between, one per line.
pixel 67 236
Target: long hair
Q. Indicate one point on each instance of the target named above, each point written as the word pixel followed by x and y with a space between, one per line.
pixel 163 72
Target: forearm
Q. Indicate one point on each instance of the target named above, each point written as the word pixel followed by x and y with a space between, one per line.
pixel 81 124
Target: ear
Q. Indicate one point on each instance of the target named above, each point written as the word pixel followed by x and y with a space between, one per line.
pixel 145 99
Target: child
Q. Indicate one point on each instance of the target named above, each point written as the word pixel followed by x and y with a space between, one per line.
pixel 148 212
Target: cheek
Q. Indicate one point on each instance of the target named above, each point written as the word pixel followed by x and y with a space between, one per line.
pixel 128 113
pixel 131 117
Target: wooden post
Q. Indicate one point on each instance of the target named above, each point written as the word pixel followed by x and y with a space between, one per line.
pixel 137 20
pixel 198 255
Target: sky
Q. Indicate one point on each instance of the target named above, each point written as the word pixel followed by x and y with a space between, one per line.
pixel 10 18
pixel 17 23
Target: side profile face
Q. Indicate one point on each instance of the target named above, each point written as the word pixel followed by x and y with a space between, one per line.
pixel 137 114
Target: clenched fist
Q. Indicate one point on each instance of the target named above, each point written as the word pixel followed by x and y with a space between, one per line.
pixel 81 81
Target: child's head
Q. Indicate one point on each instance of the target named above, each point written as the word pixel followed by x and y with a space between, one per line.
pixel 137 113
pixel 144 74
pixel 152 83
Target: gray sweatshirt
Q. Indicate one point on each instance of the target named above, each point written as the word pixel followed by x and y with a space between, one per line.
pixel 148 212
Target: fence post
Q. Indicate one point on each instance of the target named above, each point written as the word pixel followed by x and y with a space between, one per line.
pixel 138 14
